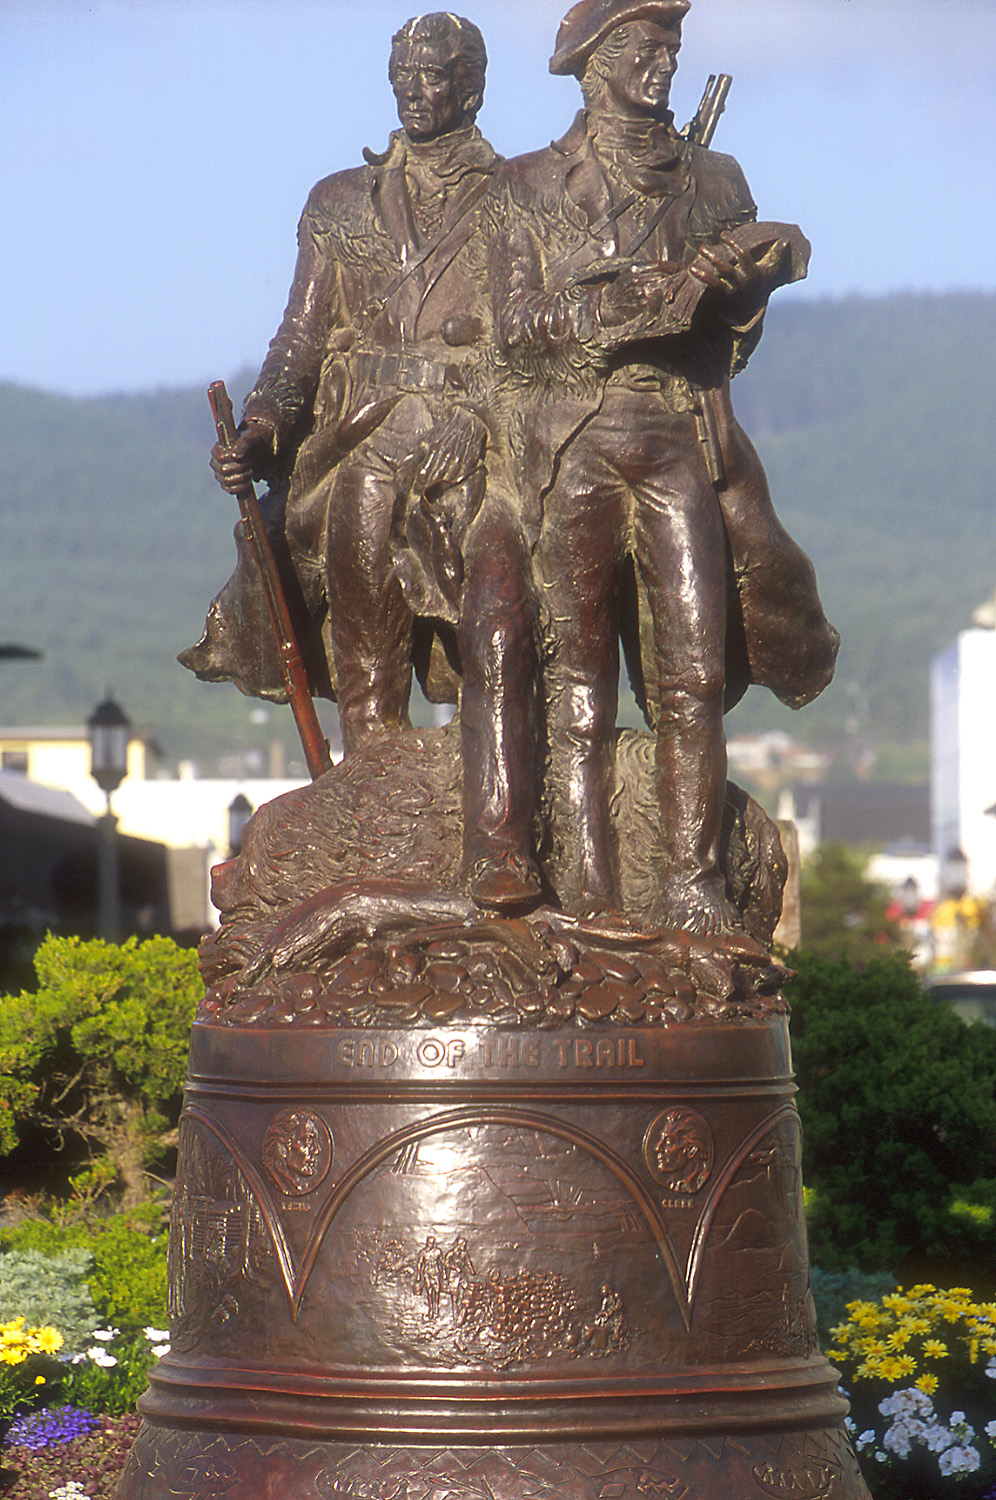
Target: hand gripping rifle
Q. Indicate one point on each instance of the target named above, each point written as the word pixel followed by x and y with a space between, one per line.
pixel 316 746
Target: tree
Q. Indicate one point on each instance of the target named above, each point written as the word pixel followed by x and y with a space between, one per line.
pixel 843 913
pixel 99 1050
pixel 899 1121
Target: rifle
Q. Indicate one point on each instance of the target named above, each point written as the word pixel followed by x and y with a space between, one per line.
pixel 316 746
pixel 703 127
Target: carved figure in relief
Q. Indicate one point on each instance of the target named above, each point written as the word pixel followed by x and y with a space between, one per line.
pixel 629 283
pixel 430 1273
pixel 607 1332
pixel 297 1151
pixel 679 1150
pixel 458 1269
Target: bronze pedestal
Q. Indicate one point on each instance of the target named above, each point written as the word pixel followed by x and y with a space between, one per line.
pixel 495 1263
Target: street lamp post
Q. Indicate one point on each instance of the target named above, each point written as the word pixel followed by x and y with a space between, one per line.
pixel 109 731
pixel 239 812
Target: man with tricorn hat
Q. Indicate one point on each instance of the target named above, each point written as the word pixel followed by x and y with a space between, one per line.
pixel 629 283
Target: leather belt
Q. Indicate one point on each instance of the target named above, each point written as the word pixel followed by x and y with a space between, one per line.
pixel 405 372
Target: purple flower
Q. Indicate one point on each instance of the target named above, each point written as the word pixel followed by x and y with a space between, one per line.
pixel 56 1424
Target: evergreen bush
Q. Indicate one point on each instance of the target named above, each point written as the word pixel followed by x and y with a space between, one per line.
pixel 50 1289
pixel 899 1122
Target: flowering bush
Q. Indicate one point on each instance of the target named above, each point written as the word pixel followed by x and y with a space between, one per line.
pixel 50 1290
pixel 27 1363
pixel 920 1368
pixel 56 1424
pixel 84 1466
pixel 112 1372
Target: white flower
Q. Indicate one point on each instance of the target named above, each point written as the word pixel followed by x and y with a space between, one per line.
pixel 991 1368
pixel 937 1437
pixel 71 1491
pixel 959 1461
pixel 897 1440
pixel 159 1350
pixel 101 1357
pixel 157 1335
pixel 104 1334
pixel 866 1438
pixel 907 1403
pixel 991 1429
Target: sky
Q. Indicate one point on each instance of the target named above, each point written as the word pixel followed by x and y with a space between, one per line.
pixel 156 154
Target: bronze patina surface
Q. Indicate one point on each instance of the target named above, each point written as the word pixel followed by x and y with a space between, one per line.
pixel 545 1260
pixel 489 1179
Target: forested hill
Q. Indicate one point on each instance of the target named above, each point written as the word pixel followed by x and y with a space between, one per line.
pixel 875 419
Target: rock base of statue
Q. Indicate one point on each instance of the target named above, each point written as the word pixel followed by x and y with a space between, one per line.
pixel 565 1258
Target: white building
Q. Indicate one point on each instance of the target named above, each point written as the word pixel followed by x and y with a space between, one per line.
pixel 190 817
pixel 963 755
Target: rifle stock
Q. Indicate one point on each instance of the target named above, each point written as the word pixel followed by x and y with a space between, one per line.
pixel 316 746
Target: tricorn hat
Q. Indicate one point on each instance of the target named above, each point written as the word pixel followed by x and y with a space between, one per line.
pixel 589 22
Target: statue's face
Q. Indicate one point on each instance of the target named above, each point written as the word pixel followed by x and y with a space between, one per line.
pixel 423 76
pixel 641 78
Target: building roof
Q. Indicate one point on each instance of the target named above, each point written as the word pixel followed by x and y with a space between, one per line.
pixel 48 801
pixel 868 812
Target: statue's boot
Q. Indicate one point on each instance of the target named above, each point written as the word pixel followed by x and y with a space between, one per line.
pixel 691 788
pixel 499 721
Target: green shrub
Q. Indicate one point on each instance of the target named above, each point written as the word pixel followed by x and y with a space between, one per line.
pixel 98 1052
pixel 899 1121
pixel 127 1251
pixel 834 1290
pixel 50 1290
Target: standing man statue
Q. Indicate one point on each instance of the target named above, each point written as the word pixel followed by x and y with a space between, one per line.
pixel 629 283
pixel 380 346
pixel 374 398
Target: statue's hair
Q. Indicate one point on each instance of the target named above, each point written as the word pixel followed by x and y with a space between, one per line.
pixel 469 52
pixel 600 65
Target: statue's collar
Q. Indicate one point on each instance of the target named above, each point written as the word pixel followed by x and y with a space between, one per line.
pixel 448 157
pixel 655 140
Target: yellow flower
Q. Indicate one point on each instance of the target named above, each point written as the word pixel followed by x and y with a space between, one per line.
pixel 39 1380
pixel 906 1364
pixel 49 1340
pixel 934 1349
pixel 926 1383
pixel 898 1339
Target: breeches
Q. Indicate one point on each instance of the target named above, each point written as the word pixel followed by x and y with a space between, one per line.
pixel 344 525
pixel 633 482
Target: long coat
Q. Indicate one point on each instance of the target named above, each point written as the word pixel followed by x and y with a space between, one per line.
pixel 368 287
pixel 558 227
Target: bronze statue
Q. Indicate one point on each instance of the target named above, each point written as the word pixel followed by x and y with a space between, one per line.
pixel 489 1168
pixel 629 283
pixel 380 345
pixel 373 395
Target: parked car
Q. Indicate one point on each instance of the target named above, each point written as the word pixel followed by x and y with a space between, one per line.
pixel 971 995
